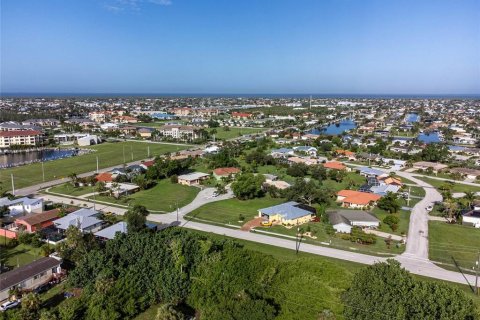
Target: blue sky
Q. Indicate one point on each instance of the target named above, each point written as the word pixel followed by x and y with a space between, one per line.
pixel 257 46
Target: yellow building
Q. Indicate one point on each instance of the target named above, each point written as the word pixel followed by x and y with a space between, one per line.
pixel 289 213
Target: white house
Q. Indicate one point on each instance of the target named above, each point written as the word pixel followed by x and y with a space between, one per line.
pixel 84 219
pixel 472 217
pixel 343 220
pixel 22 205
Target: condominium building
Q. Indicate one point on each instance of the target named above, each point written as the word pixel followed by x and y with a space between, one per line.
pixel 179 132
pixel 20 137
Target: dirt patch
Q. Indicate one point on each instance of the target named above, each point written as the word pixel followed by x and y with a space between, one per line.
pixel 257 222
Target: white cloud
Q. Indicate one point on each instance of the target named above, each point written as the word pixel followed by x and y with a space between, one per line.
pixel 134 5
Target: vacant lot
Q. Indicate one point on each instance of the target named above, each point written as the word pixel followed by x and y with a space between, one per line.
pixel 69 190
pixel 235 132
pixel 449 242
pixel 456 186
pixel 162 197
pixel 229 211
pixel 109 154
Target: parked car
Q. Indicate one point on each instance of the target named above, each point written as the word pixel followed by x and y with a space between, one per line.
pixel 266 223
pixel 9 305
pixel 42 288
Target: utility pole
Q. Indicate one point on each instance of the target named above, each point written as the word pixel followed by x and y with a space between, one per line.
pixel 408 199
pixel 477 289
pixel 176 202
pixel 43 172
pixel 97 164
pixel 13 185
pixel 124 161
pixel 131 150
pixel 148 151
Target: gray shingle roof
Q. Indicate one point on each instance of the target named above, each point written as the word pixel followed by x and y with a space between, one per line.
pixel 11 278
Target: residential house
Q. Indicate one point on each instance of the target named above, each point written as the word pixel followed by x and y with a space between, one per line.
pixel 109 232
pixel 219 173
pixel 122 189
pixel 86 220
pixel 22 205
pixel 335 165
pixel 424 165
pixel 371 172
pixel 468 173
pixel 289 213
pixel 383 189
pixel 311 151
pixel 304 160
pixel 472 217
pixel 343 220
pixel 282 153
pixel 356 199
pixel 37 221
pixel 191 179
pixel 30 276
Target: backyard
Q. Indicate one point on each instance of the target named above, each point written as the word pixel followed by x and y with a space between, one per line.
pixel 17 256
pixel 449 242
pixel 162 197
pixel 109 154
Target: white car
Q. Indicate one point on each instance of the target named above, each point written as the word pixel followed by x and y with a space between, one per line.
pixel 429 208
pixel 9 305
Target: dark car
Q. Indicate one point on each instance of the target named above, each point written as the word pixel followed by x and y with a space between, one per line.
pixel 42 288
pixel 67 295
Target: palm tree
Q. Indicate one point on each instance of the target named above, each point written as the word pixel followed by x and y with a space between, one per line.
pixel 73 177
pixel 470 197
pixel 450 207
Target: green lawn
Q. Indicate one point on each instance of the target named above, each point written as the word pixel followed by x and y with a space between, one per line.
pixel 235 132
pixel 318 228
pixel 402 226
pixel 229 211
pixel 162 197
pixel 18 256
pixel 69 190
pixel 416 191
pixel 456 186
pixel 452 241
pixel 109 154
pixel 351 176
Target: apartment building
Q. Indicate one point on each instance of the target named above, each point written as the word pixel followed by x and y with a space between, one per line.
pixel 179 132
pixel 20 137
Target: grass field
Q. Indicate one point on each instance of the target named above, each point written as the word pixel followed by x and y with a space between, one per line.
pixel 452 241
pixel 69 190
pixel 235 132
pixel 402 226
pixel 162 197
pixel 18 256
pixel 109 154
pixel 229 211
pixel 456 186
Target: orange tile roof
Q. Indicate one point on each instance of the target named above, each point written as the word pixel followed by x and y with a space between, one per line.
pixel 104 177
pixel 345 152
pixel 334 165
pixel 225 171
pixel 357 197
pixel 390 180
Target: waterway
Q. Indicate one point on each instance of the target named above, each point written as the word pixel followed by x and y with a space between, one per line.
pixel 412 117
pixel 431 137
pixel 21 158
pixel 335 128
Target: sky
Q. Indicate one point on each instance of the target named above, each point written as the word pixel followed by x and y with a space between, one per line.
pixel 247 46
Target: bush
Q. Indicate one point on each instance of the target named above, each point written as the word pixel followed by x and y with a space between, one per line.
pixel 392 221
pixel 174 179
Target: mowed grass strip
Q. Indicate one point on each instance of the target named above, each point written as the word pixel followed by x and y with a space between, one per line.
pixel 229 211
pixel 69 190
pixel 235 132
pixel 456 185
pixel 109 154
pixel 162 197
pixel 452 241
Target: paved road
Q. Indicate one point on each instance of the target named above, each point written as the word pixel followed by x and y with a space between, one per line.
pixel 412 263
pixel 417 243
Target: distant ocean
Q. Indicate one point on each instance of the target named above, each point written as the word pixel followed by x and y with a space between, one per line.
pixel 233 95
